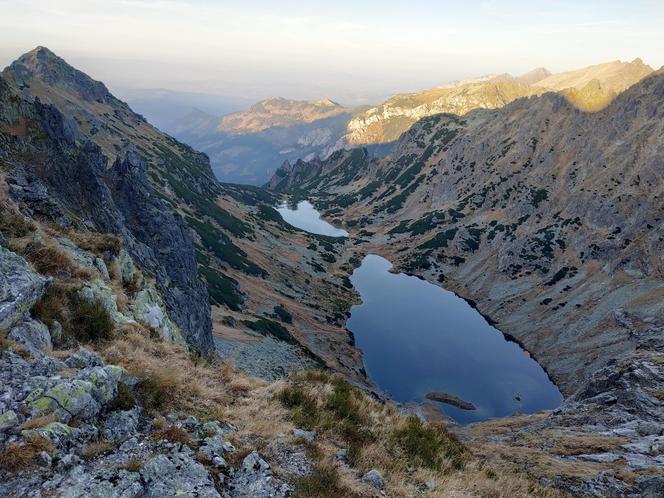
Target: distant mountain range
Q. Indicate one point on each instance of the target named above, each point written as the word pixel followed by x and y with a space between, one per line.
pixel 248 146
pixel 589 88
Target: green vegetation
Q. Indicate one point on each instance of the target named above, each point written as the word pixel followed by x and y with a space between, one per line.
pixel 267 327
pixel 223 289
pixel 283 314
pixel 427 445
pixel 539 195
pixel 341 413
pixel 223 248
pixel 325 483
pixel 561 274
pixel 90 322
pixel 81 320
pixel 440 239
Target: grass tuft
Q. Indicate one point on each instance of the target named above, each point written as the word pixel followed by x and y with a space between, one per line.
pixel 173 434
pixel 95 449
pixel 19 456
pixel 428 444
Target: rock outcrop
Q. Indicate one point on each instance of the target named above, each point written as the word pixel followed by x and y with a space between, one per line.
pixel 118 200
pixel 20 288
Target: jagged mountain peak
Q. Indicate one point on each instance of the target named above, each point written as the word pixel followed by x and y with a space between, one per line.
pixel 41 65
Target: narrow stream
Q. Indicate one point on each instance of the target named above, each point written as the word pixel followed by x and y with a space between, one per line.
pixel 419 339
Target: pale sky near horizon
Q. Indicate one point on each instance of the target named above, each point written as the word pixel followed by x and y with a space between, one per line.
pixel 353 51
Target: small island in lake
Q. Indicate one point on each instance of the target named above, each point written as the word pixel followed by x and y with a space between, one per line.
pixel 449 399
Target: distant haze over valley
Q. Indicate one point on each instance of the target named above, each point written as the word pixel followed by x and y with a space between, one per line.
pixel 247 143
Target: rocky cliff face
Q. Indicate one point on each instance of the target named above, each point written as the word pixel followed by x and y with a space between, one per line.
pixel 61 177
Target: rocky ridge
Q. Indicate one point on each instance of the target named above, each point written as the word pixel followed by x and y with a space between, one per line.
pixel 590 88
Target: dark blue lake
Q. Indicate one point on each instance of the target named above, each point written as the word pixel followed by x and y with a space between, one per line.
pixel 418 338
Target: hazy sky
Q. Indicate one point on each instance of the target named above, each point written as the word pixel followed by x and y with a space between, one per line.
pixel 349 50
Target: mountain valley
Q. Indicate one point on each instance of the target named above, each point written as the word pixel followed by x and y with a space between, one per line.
pixel 162 332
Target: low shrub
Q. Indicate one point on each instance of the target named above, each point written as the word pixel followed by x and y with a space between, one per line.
pixel 80 320
pixel 343 404
pixel 304 408
pixel 269 327
pixel 281 313
pixel 125 399
pixel 428 444
pixel 90 321
pixel 324 483
pixel 14 225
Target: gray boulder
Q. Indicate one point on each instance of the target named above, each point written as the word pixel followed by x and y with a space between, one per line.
pixel 8 420
pixel 33 334
pixel 308 436
pixel 65 401
pixel 121 425
pixel 374 478
pixel 177 475
pixel 83 358
pixel 104 381
pixel 126 266
pixel 255 480
pixel 20 288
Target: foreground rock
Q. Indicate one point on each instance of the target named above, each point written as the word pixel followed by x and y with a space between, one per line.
pixel 20 288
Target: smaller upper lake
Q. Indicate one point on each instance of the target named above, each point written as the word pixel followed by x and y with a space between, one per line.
pixel 306 217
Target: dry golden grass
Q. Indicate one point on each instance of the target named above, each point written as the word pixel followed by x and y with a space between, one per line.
pixel 121 297
pixel 48 259
pixel 37 422
pixel 172 381
pixel 396 445
pixel 134 465
pixel 101 244
pixel 172 434
pixel 6 343
pixel 18 456
pixel 97 448
pixel 159 423
pixel 14 225
pixel 659 394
